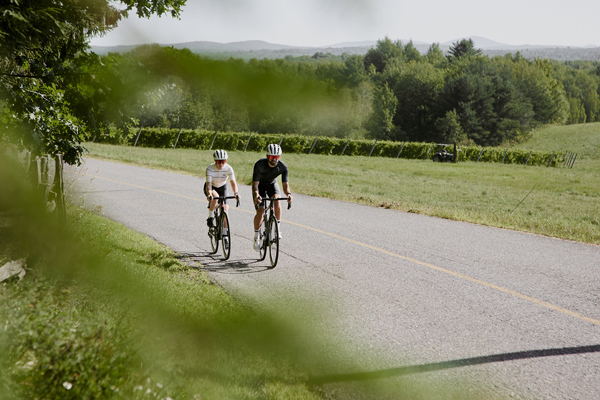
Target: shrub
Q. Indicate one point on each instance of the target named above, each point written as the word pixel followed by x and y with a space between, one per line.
pixel 202 139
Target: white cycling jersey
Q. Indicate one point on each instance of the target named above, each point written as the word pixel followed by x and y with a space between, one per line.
pixel 216 178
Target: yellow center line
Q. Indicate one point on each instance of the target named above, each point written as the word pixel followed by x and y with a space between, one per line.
pixel 412 260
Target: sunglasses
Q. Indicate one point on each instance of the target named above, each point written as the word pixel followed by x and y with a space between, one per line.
pixel 220 161
pixel 273 158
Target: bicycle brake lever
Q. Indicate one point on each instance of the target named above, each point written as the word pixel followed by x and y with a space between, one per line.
pixel 289 205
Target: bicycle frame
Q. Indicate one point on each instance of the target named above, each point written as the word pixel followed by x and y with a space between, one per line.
pixel 216 232
pixel 270 230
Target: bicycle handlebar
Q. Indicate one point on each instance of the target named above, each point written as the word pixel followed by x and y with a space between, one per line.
pixel 265 199
pixel 221 198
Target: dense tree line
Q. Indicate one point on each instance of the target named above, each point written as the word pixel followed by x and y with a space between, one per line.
pixel 56 93
pixel 393 92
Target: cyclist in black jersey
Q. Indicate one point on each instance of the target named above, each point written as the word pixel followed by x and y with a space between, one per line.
pixel 264 183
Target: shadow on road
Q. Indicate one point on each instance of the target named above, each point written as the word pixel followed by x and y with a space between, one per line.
pixel 414 369
pixel 215 263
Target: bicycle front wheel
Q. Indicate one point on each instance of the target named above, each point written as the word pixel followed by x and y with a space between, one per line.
pixel 225 237
pixel 214 240
pixel 273 241
pixel 265 242
pixel 213 234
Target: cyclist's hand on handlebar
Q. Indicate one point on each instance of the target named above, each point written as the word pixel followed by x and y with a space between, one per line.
pixel 257 200
pixel 237 199
pixel 289 200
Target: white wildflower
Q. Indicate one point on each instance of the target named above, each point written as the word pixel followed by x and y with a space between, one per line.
pixel 67 385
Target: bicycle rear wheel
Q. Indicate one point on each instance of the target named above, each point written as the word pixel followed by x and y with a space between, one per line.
pixel 273 241
pixel 225 237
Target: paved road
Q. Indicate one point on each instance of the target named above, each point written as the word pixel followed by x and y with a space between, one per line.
pixel 519 312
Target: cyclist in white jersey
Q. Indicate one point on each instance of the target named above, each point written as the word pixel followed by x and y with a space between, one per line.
pixel 217 175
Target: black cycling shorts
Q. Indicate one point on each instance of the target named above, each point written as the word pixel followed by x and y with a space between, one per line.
pixel 268 190
pixel 221 191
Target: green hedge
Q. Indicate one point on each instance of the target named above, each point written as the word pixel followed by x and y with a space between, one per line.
pixel 200 139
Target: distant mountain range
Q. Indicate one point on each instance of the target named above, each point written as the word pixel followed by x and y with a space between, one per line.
pixel 260 49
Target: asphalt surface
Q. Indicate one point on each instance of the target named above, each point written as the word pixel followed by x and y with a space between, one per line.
pixel 459 303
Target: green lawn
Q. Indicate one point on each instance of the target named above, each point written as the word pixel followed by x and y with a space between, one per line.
pixel 583 139
pixel 559 202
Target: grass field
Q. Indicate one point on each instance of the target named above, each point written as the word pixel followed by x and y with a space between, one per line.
pixel 583 139
pixel 560 202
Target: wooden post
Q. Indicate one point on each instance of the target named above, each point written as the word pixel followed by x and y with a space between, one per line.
pixel 247 142
pixel 526 161
pixel 40 168
pixel 313 145
pixel 573 162
pixel 280 140
pixel 344 149
pixel 551 158
pixel 400 151
pixel 504 156
pixel 373 148
pixel 177 140
pixel 59 189
pixel 567 157
pixel 213 141
pixel 137 137
pixel 455 154
pixel 429 152
pixel 480 153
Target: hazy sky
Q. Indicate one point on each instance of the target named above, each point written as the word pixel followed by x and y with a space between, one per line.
pixel 327 22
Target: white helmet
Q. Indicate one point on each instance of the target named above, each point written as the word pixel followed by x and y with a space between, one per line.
pixel 273 150
pixel 220 155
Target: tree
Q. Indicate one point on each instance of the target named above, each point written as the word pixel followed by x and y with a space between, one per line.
pixel 374 58
pixel 449 128
pixel 546 94
pixel 472 97
pixel 354 72
pixel 385 51
pixel 576 111
pixel 416 87
pixel 384 109
pixel 463 48
pixel 584 86
pixel 410 52
pixel 434 55
pixel 45 78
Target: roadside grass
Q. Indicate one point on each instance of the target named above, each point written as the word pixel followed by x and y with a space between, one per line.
pixel 559 202
pixel 106 312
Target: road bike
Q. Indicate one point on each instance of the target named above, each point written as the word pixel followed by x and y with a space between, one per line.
pixel 269 233
pixel 221 221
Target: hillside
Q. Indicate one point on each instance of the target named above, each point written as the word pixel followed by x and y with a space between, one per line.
pixel 583 139
pixel 259 49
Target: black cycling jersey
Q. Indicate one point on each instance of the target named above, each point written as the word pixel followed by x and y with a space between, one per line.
pixel 266 175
